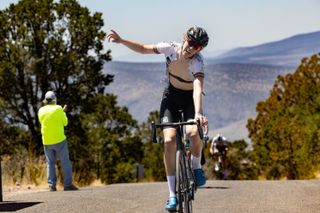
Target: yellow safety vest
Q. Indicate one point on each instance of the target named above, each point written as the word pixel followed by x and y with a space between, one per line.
pixel 53 120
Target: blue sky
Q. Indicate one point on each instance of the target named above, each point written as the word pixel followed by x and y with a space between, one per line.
pixel 229 23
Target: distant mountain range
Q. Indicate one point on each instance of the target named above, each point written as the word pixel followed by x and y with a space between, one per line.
pixel 286 52
pixel 234 82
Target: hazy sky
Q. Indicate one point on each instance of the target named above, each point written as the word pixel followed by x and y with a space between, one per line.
pixel 229 23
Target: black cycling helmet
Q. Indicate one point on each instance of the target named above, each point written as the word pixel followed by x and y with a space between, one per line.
pixel 198 35
pixel 219 138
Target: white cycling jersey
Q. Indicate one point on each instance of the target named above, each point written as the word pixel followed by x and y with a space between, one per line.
pixel 216 138
pixel 179 68
pixel 219 145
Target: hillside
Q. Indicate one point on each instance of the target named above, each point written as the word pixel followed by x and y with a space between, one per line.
pixel 286 52
pixel 234 82
pixel 232 90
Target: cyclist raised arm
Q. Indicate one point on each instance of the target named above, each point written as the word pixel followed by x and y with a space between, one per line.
pixel 185 74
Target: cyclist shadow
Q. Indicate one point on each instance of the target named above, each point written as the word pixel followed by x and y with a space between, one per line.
pixel 214 187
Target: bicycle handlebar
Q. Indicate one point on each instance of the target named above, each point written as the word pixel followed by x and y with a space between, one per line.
pixel 175 124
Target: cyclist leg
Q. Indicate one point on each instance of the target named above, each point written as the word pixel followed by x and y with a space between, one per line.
pixel 167 114
pixel 192 132
pixel 170 166
pixel 195 146
pixel 195 143
pixel 216 157
pixel 170 148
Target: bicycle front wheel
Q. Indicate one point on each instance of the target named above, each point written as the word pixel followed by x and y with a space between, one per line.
pixel 182 184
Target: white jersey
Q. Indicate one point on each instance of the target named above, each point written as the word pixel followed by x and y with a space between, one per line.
pixel 180 69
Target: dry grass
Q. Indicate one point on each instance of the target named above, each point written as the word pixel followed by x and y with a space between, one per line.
pixel 22 170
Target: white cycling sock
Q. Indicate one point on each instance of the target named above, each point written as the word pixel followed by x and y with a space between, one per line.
pixel 196 162
pixel 172 185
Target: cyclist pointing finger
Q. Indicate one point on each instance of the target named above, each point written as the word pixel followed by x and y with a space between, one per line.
pixel 185 74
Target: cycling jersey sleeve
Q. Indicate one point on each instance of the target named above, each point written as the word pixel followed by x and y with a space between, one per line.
pixel 165 48
pixel 197 66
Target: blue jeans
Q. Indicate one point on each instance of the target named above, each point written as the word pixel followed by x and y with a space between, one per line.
pixel 54 152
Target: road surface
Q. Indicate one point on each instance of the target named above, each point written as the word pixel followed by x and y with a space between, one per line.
pixel 216 196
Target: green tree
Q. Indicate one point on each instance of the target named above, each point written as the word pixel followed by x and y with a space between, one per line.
pixel 47 45
pixel 240 165
pixel 153 152
pixel 11 138
pixel 285 133
pixel 113 137
pixel 57 45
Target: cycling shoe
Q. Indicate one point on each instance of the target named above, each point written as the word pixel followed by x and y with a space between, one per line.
pixel 171 204
pixel 200 178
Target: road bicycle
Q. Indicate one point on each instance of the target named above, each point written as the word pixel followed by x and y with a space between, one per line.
pixel 220 170
pixel 185 179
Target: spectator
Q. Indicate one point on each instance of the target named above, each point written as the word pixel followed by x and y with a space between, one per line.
pixel 53 119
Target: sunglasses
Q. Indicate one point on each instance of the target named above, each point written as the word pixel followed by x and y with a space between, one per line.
pixel 196 46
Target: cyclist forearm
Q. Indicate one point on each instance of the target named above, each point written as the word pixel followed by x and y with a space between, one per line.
pixel 113 36
pixel 197 97
pixel 138 47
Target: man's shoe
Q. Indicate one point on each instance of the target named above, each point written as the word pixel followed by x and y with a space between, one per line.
pixel 171 204
pixel 70 188
pixel 216 167
pixel 225 175
pixel 53 188
pixel 200 178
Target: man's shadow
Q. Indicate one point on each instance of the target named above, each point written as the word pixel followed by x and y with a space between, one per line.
pixel 11 206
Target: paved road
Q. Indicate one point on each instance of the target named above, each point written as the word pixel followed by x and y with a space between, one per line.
pixel 215 197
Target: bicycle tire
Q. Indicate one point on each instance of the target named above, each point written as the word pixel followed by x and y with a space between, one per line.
pixel 191 179
pixel 190 185
pixel 179 181
pixel 182 185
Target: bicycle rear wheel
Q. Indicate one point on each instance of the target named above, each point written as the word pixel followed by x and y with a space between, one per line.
pixel 182 184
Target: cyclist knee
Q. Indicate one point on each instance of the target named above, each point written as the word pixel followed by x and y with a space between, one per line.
pixel 194 137
pixel 168 140
pixel 192 131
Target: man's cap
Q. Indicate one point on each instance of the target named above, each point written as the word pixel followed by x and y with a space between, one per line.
pixel 49 97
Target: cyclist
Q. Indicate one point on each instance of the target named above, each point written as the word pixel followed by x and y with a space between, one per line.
pixel 219 146
pixel 185 74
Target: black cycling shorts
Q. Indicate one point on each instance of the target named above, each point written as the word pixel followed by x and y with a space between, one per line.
pixel 220 147
pixel 173 100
